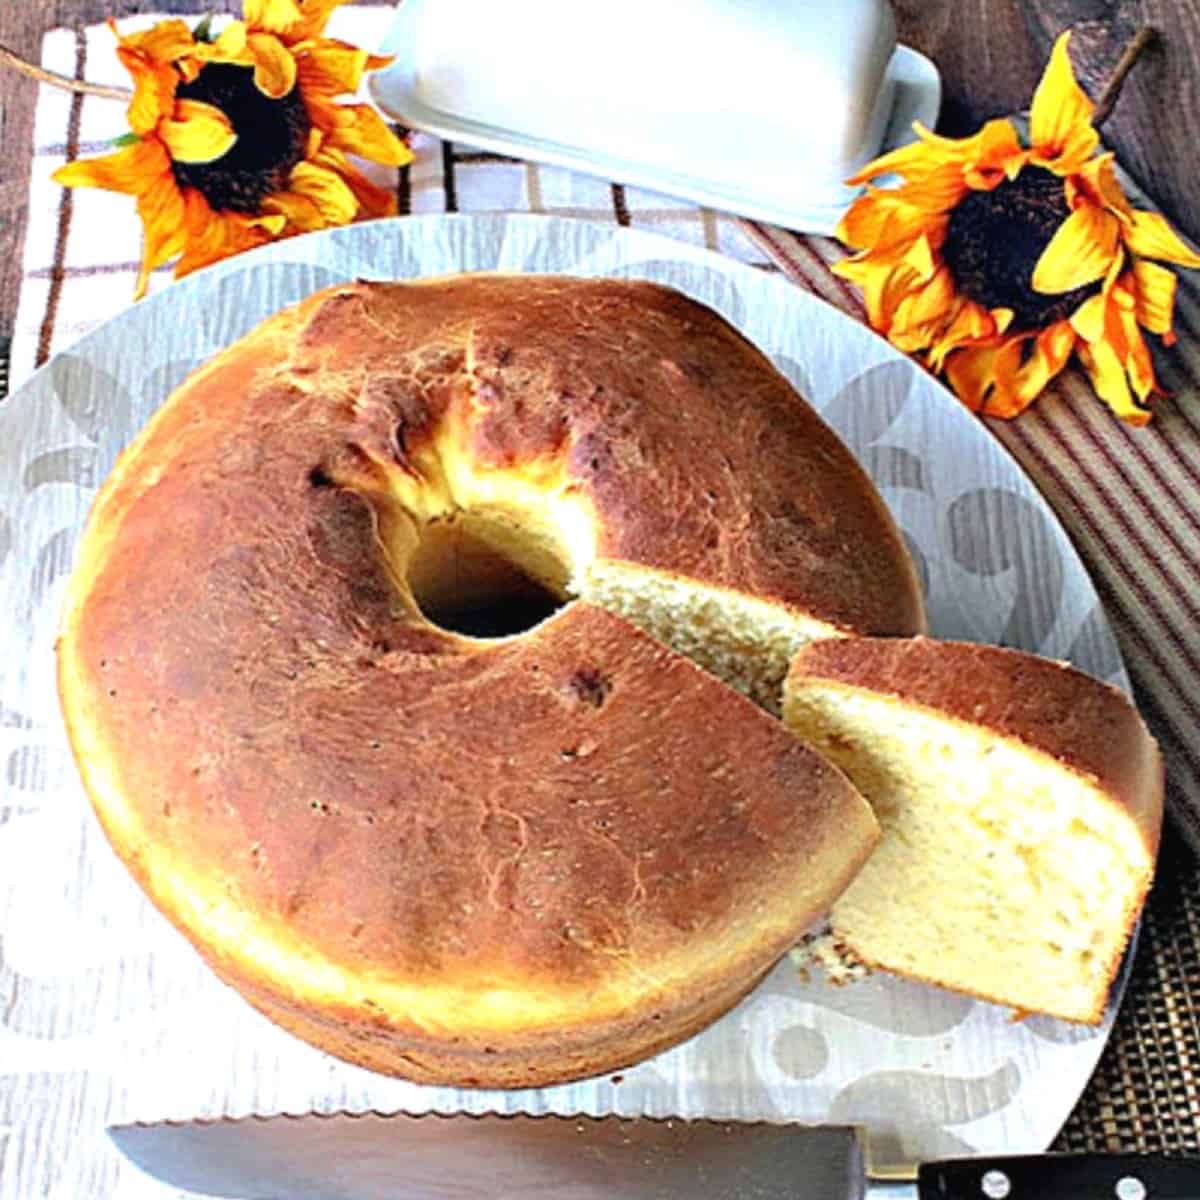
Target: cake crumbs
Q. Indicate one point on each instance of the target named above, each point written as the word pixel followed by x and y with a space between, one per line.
pixel 823 950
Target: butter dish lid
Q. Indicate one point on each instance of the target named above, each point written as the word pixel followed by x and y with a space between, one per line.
pixel 758 107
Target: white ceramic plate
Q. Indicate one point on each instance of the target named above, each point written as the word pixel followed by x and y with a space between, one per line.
pixel 113 1015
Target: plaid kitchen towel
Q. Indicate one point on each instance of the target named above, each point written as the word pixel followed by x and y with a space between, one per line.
pixel 1128 498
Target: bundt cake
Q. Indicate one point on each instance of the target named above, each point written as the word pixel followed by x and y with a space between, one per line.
pixel 425 838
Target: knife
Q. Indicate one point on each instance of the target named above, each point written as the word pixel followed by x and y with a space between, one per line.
pixel 465 1157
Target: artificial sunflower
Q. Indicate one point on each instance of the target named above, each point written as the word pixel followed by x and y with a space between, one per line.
pixel 241 139
pixel 997 258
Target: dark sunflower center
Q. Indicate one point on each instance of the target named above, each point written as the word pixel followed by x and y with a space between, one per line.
pixel 995 239
pixel 270 138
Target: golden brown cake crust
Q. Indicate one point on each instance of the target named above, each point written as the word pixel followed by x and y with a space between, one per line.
pixel 1074 718
pixel 691 447
pixel 503 863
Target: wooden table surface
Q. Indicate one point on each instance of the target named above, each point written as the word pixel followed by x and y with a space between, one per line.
pixel 990 53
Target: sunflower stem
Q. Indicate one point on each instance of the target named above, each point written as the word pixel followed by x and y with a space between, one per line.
pixel 1112 89
pixel 18 64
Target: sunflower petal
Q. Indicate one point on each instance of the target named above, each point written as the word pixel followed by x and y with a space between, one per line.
pixel 970 373
pixel 1061 114
pixel 937 192
pixel 189 67
pixel 879 258
pixel 327 190
pixel 935 301
pixel 1088 319
pixel 996 148
pixel 1119 319
pixel 856 268
pixel 921 316
pixel 911 339
pixel 864 222
pixel 155 59
pixel 274 66
pixel 1112 299
pixel 131 170
pixel 153 94
pixel 1081 251
pixel 230 45
pixel 272 16
pixel 1008 401
pixel 1019 383
pixel 198 132
pixel 1114 271
pixel 367 136
pixel 161 209
pixel 1155 287
pixel 1123 293
pixel 212 236
pixel 300 212
pixel 884 285
pixel 1056 343
pixel 877 222
pixel 1072 155
pixel 323 111
pixel 1137 358
pixel 1005 400
pixel 994 142
pixel 162 43
pixel 1151 236
pixel 334 67
pixel 946 339
pixel 971 322
pixel 1101 177
pixel 1107 374
pixel 993 154
pixel 373 200
pixel 920 257
pixel 914 161
pixel 314 17
pixel 927 308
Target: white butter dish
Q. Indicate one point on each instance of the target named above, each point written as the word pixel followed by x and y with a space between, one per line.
pixel 758 107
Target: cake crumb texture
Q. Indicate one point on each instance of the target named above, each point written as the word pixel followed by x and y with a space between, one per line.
pixel 1020 803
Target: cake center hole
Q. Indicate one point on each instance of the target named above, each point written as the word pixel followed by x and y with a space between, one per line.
pixel 481 575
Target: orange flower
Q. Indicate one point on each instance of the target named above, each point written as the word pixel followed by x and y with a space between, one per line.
pixel 242 140
pixel 996 259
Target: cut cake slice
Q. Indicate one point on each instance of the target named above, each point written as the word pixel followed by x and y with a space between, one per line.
pixel 1021 805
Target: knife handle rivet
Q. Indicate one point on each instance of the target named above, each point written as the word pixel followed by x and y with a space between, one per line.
pixel 995 1185
pixel 1129 1187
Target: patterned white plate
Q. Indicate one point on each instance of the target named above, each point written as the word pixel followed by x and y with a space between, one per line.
pixel 107 1015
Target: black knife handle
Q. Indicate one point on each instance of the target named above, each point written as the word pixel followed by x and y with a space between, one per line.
pixel 1061 1177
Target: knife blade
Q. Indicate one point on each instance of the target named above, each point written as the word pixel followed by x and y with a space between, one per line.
pixel 462 1157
